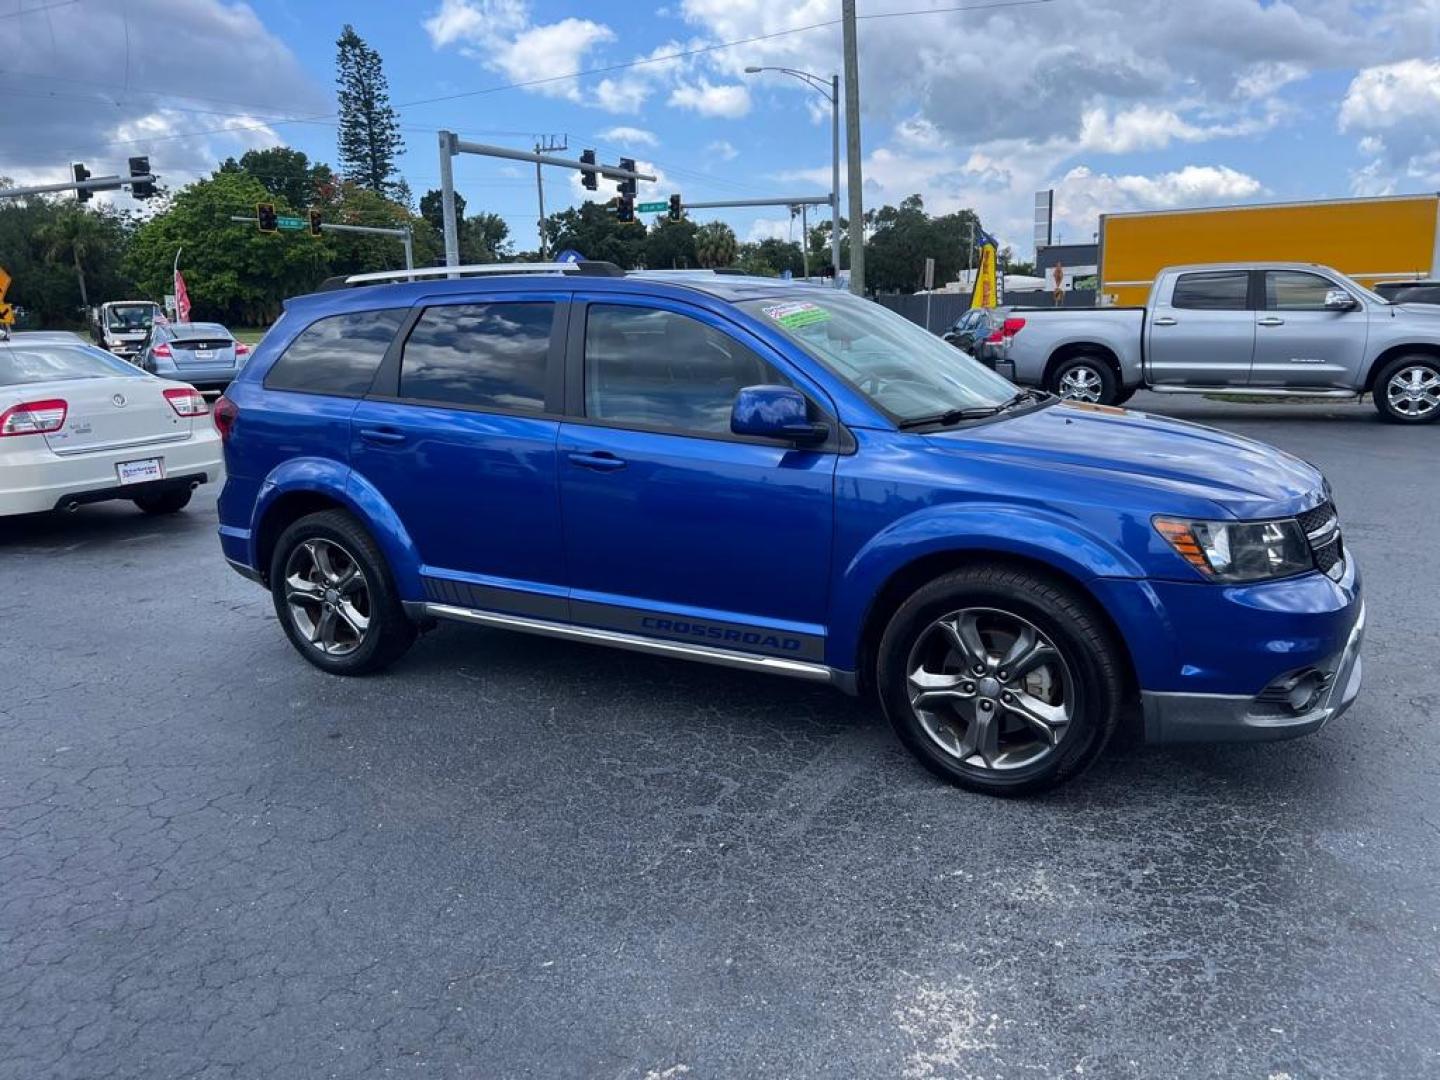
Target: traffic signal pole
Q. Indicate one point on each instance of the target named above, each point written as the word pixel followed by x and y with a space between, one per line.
pixel 451 145
pixel 403 235
pixel 95 183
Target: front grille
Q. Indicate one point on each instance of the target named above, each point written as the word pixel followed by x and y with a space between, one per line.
pixel 1322 529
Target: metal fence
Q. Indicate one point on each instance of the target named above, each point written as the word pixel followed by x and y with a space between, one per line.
pixel 945 308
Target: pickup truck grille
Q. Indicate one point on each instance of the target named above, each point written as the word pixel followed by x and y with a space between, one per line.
pixel 1322 529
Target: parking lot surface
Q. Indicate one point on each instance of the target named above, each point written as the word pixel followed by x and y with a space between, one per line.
pixel 516 857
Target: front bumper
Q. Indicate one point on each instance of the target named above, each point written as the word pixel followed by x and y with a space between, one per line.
pixel 1182 717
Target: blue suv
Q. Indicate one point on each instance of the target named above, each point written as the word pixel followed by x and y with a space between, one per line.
pixel 782 479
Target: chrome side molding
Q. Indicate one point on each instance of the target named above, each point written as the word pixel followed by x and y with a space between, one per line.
pixel 707 654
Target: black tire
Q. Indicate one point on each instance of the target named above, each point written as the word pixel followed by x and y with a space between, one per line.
pixel 164 502
pixel 1396 413
pixel 1079 636
pixel 1124 394
pixel 1101 374
pixel 389 631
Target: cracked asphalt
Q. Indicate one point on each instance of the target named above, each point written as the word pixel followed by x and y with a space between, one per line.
pixel 513 857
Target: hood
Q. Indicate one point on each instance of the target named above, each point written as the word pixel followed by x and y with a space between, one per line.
pixel 1243 478
pixel 1424 311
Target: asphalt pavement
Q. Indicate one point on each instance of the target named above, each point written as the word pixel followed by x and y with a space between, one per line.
pixel 515 857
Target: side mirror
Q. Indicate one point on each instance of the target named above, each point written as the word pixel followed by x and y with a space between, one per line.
pixel 1340 300
pixel 775 412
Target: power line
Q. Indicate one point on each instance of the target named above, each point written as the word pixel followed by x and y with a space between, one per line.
pixel 37 10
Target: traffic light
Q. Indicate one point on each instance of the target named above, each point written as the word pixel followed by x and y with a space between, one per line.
pixel 625 210
pixel 627 187
pixel 265 217
pixel 140 189
pixel 588 177
pixel 81 174
pixel 315 229
pixel 676 211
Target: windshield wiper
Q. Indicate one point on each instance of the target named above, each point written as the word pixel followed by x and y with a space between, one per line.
pixel 951 416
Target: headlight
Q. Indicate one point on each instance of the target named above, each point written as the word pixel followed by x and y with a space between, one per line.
pixel 1239 550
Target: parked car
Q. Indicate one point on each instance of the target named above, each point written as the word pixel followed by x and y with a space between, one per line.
pixel 79 426
pixel 782 479
pixel 205 355
pixel 123 326
pixel 1410 292
pixel 980 332
pixel 1271 329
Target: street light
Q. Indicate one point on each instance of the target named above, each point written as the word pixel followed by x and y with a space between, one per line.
pixel 829 89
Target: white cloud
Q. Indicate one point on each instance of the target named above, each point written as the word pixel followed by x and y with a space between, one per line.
pixel 1395 109
pixel 216 54
pixel 1082 195
pixel 631 136
pixel 722 149
pixel 771 229
pixel 730 100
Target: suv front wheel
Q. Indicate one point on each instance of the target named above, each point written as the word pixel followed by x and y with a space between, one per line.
pixel 333 594
pixel 1000 681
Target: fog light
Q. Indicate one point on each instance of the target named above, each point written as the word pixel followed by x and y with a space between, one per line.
pixel 1306 693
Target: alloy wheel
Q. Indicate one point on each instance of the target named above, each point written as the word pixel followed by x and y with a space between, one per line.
pixel 1414 391
pixel 990 689
pixel 327 596
pixel 1081 384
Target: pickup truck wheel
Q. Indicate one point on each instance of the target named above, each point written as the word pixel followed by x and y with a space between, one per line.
pixel 334 596
pixel 1407 390
pixel 1086 377
pixel 1000 681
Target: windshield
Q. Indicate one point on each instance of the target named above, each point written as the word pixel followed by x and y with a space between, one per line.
pixel 51 363
pixel 906 371
pixel 131 317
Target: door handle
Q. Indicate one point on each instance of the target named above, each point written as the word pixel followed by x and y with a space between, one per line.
pixel 599 460
pixel 1163 320
pixel 382 436
pixel 1273 320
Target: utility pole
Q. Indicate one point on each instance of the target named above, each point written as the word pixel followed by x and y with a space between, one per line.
pixel 852 151
pixel 447 198
pixel 547 145
pixel 804 240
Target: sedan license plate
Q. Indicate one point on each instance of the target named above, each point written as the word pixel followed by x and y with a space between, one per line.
pixel 138 472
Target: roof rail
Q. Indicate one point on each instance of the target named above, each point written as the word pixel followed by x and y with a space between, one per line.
pixel 592 267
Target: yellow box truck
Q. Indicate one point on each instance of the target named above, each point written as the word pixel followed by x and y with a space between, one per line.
pixel 1385 239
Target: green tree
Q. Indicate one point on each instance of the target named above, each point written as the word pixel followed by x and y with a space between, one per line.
pixel 903 237
pixel 751 259
pixel 233 272
pixel 484 238
pixel 670 245
pixel 592 230
pixel 349 203
pixel 285 173
pixel 73 236
pixel 369 138
pixel 715 244
pixel 432 209
pixel 782 255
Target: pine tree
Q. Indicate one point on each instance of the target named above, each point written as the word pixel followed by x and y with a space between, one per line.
pixel 369 127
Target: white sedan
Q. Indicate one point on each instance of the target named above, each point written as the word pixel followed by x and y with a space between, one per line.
pixel 78 426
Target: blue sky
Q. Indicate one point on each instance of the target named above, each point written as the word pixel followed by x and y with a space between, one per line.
pixel 1118 104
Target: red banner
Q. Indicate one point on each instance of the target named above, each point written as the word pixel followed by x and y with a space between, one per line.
pixel 182 299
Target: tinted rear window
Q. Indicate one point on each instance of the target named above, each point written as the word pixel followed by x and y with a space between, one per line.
pixel 488 356
pixel 48 363
pixel 1226 290
pixel 338 355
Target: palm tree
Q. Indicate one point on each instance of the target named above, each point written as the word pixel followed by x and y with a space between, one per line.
pixel 73 236
pixel 715 244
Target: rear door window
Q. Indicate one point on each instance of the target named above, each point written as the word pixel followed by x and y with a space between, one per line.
pixel 337 355
pixel 1222 290
pixel 483 356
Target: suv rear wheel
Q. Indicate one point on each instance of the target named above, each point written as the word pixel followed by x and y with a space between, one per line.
pixel 1000 681
pixel 1085 377
pixel 333 594
pixel 1407 390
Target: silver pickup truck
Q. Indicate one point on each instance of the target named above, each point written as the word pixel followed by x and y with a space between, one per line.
pixel 1272 329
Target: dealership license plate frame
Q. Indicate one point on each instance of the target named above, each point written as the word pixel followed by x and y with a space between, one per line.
pixel 140 471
